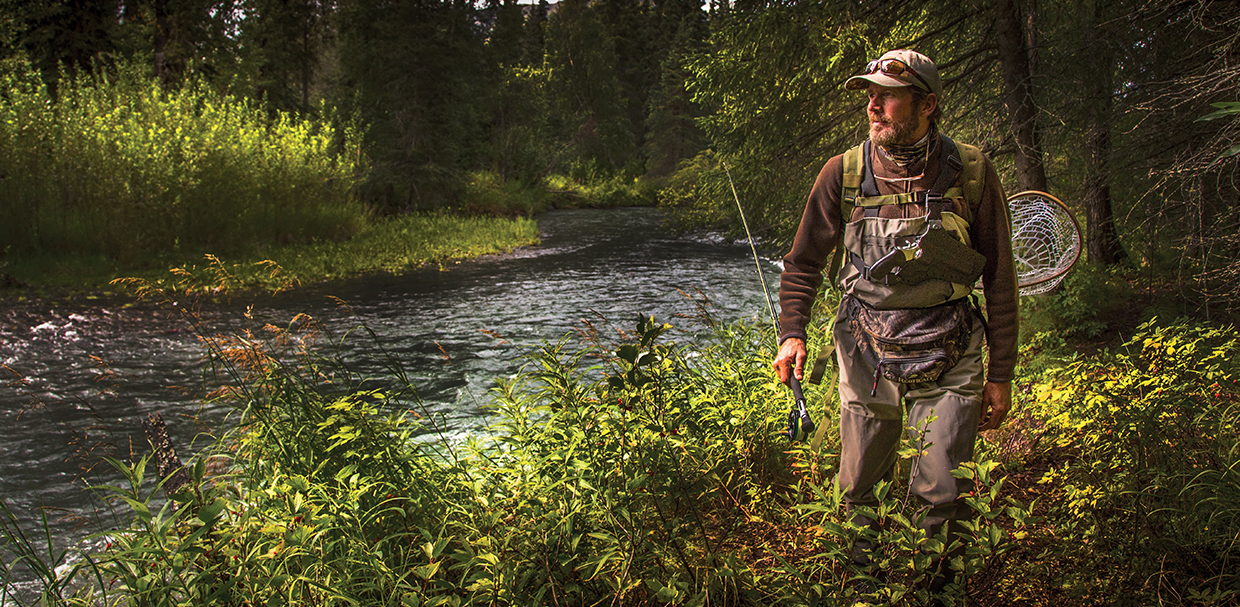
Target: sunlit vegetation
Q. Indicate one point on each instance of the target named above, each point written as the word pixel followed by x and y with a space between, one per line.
pixel 336 139
pixel 641 470
pixel 116 176
pixel 638 470
pixel 114 165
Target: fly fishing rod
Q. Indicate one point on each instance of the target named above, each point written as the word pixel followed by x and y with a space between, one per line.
pixel 800 426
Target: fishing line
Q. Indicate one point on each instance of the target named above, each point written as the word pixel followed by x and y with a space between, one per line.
pixel 800 426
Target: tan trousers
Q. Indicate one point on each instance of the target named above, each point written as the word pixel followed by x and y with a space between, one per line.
pixel 870 427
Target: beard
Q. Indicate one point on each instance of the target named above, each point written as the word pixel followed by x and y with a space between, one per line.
pixel 896 133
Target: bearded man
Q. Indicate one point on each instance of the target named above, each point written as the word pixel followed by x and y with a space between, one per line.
pixel 916 220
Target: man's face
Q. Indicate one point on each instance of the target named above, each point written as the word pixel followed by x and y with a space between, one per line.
pixel 893 117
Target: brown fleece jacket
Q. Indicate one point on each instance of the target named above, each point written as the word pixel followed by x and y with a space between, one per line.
pixel 822 227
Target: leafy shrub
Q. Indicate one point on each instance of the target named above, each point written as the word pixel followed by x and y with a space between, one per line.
pixel 600 190
pixel 1090 301
pixel 487 193
pixel 116 165
pixel 636 472
pixel 1151 484
pixel 687 197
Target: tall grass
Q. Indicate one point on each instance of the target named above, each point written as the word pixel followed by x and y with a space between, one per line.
pixel 115 165
pixel 628 471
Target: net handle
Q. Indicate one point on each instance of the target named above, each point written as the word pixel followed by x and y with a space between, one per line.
pixel 1075 226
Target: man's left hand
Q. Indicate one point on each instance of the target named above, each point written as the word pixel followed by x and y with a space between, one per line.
pixel 996 402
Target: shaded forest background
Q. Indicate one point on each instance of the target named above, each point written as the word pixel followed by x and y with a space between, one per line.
pixel 1126 109
pixel 180 127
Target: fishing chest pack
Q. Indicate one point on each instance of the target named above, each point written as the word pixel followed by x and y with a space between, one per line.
pixel 907 281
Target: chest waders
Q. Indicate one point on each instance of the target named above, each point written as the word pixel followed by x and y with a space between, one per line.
pixel 900 272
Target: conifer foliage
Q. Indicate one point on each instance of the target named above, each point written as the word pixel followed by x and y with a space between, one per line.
pixel 1098 101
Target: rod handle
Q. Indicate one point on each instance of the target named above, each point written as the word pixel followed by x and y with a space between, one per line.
pixel 800 426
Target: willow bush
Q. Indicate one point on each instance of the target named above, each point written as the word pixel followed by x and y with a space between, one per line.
pixel 1144 469
pixel 628 471
pixel 115 165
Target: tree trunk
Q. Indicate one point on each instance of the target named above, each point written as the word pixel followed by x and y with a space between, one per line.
pixel 306 64
pixel 1018 96
pixel 160 8
pixel 1102 241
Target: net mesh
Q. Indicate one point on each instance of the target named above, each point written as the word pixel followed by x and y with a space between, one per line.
pixel 1046 241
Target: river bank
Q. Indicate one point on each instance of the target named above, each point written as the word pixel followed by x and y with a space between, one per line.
pixel 82 372
pixel 390 246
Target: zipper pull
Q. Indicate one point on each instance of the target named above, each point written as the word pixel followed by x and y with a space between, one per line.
pixel 877 369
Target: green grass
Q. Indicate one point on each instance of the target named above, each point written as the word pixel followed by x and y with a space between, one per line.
pixel 636 470
pixel 399 244
pixel 389 245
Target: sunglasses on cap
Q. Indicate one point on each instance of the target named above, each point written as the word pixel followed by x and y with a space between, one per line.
pixel 894 68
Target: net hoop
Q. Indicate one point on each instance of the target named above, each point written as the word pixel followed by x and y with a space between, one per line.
pixel 1046 241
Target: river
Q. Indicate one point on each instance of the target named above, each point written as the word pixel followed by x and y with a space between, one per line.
pixel 77 377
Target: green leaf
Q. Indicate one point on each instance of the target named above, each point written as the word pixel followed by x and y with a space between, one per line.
pixel 427 571
pixel 1225 109
pixel 666 594
pixel 629 353
pixel 139 508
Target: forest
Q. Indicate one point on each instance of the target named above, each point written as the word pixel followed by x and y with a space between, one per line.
pixel 634 469
pixel 1125 109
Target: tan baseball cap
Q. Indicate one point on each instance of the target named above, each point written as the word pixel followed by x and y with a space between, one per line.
pixel 900 68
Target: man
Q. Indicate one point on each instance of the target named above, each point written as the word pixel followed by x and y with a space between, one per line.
pixel 897 209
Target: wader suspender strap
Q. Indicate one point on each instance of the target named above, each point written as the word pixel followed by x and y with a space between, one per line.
pixel 859 182
pixel 932 199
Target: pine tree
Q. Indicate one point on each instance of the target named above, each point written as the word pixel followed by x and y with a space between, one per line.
pixel 673 134
pixel 535 34
pixel 416 74
pixel 63 33
pixel 284 42
pixel 585 90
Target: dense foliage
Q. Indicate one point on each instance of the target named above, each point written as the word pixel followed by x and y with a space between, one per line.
pixel 650 472
pixel 642 471
pixel 446 89
pixel 1098 102
pixel 116 166
pixel 1101 102
pixel 1141 450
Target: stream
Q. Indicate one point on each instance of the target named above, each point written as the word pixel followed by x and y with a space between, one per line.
pixel 77 377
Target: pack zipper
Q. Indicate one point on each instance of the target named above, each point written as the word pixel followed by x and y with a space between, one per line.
pixel 878 369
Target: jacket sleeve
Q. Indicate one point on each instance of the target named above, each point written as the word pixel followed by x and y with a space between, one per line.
pixel 812 248
pixel 992 237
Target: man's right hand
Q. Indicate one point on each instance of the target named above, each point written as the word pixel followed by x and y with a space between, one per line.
pixel 791 359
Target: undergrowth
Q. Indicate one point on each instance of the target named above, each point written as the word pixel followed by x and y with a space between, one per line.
pixel 117 166
pixel 1140 457
pixel 642 471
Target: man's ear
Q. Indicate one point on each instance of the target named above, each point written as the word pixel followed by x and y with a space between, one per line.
pixel 929 104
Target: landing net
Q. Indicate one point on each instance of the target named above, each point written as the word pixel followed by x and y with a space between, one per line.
pixel 1046 241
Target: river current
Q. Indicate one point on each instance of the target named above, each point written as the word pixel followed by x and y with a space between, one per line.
pixel 76 378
